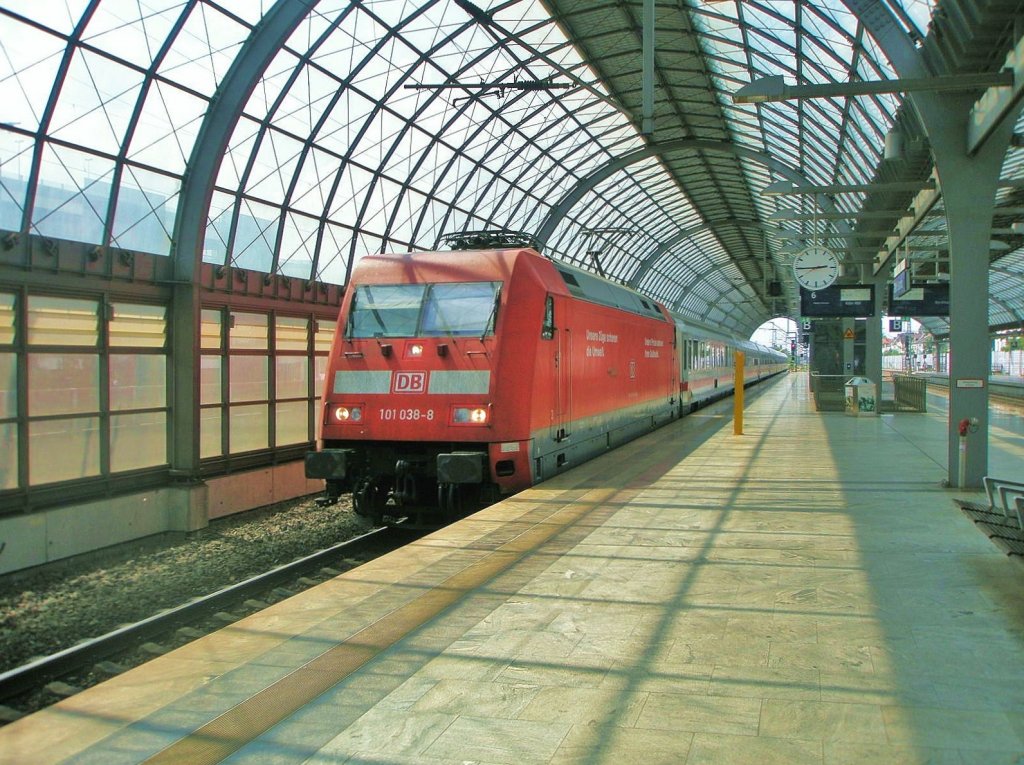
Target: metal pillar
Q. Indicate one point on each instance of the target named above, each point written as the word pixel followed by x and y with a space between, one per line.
pixel 969 215
pixel 190 223
pixel 968 184
pixel 849 332
pixel 873 341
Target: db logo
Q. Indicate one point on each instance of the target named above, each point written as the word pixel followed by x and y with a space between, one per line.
pixel 409 382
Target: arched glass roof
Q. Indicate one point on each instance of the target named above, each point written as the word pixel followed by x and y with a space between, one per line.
pixel 382 125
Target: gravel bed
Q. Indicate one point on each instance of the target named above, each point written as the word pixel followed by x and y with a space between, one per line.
pixel 52 607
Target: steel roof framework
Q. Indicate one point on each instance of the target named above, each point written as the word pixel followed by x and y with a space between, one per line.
pixel 179 149
pixel 332 156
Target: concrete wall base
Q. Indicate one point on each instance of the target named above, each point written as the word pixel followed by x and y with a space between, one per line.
pixel 62 532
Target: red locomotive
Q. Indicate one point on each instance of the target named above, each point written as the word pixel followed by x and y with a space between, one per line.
pixel 457 377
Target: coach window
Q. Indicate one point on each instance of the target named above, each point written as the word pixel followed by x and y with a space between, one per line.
pixel 548 330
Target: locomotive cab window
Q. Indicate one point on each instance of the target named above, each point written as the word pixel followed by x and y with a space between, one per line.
pixel 424 310
pixel 460 309
pixel 386 310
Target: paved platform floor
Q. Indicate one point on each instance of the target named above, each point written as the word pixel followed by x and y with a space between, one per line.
pixel 803 593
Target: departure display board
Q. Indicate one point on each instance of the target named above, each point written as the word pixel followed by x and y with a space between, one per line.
pixel 921 300
pixel 839 300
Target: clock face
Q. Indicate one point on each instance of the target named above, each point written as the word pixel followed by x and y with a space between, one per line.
pixel 816 268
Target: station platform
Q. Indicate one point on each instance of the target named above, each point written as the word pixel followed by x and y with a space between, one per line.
pixel 803 593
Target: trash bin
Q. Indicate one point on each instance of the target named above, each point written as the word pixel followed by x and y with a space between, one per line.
pixel 861 397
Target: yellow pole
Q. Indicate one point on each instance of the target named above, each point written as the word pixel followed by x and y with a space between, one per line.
pixel 737 403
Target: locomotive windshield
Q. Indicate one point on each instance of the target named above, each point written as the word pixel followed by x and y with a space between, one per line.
pixel 424 310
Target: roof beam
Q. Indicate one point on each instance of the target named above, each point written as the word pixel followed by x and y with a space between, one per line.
pixel 773 88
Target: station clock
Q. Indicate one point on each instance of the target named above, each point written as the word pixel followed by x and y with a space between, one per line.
pixel 816 268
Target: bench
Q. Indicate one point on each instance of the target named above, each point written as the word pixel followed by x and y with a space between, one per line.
pixel 1002 519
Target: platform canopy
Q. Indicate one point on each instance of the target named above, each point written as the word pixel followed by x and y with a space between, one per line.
pixel 291 138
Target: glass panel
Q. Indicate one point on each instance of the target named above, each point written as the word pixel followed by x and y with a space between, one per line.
pixel 292 422
pixel 255 235
pixel 386 310
pixel 9 455
pixel 62 321
pixel 146 206
pixel 291 333
pixel 15 160
pixel 60 383
pixel 31 65
pixel 248 428
pixel 59 450
pixel 142 326
pixel 138 440
pixel 249 330
pixel 209 379
pixel 160 140
pixel 211 328
pixel 460 309
pixel 248 378
pixel 292 377
pixel 97 106
pixel 72 194
pixel 8 386
pixel 137 381
pixel 6 318
pixel 209 433
pixel 324 335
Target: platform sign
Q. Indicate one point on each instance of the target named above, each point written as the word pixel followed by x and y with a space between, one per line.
pixel 839 300
pixel 970 382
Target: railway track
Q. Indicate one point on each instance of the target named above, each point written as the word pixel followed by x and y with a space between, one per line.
pixel 45 680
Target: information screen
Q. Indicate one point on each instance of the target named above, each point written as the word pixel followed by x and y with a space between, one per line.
pixel 901 283
pixel 839 300
pixel 921 300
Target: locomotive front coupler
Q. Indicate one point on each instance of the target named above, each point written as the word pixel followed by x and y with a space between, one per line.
pixel 406 472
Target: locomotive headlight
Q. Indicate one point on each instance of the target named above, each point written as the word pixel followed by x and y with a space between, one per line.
pixel 348 414
pixel 415 350
pixel 470 415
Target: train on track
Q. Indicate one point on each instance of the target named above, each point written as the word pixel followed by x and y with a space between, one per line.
pixel 459 377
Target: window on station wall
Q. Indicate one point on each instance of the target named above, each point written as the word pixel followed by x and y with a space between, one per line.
pixel 63 384
pixel 261 377
pixel 248 381
pixel 95 379
pixel 137 336
pixel 8 393
pixel 211 381
pixel 291 380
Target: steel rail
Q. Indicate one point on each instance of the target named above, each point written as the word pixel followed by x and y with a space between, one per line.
pixel 34 674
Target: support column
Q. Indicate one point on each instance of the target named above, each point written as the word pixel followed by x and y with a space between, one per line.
pixel 848 337
pixel 969 214
pixel 968 185
pixel 873 340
